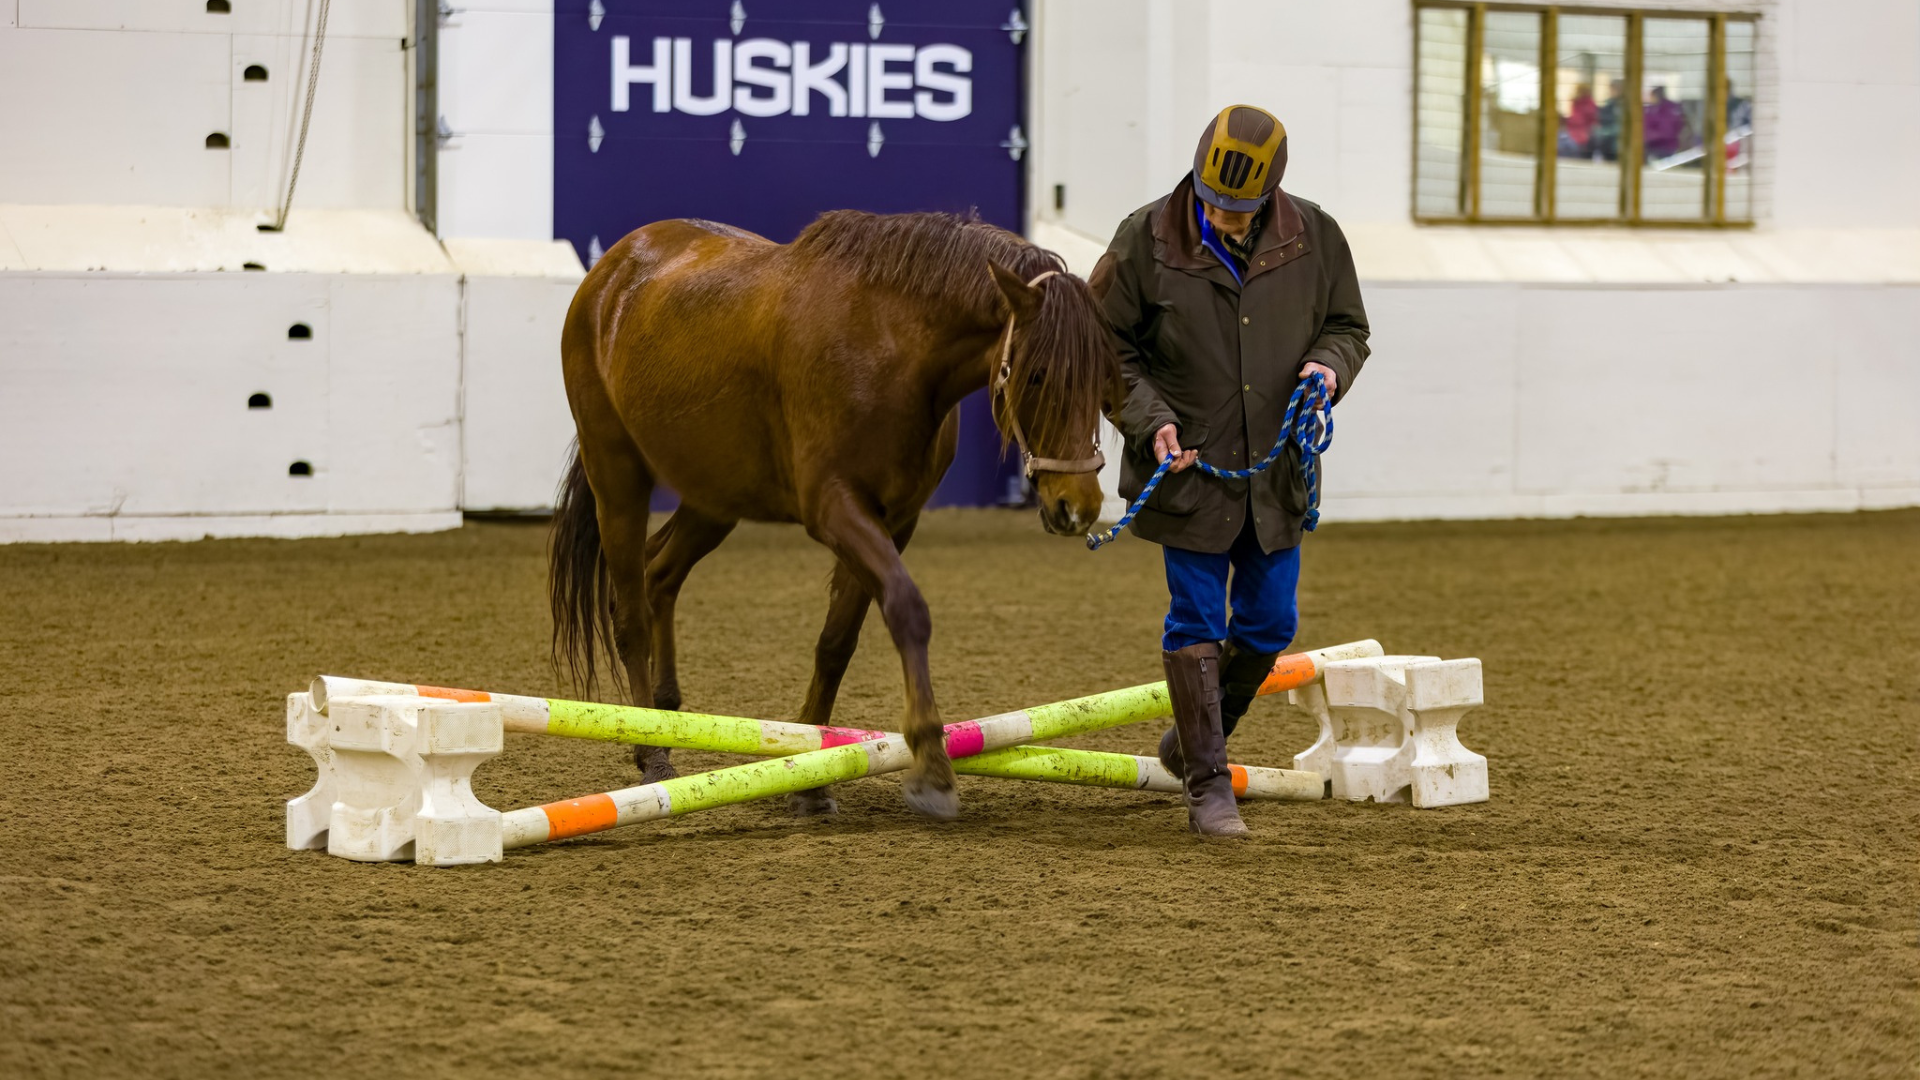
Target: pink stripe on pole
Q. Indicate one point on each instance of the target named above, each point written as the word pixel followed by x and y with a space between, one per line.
pixel 846 736
pixel 965 740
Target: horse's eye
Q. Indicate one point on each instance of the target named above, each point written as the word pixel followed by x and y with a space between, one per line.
pixel 1034 379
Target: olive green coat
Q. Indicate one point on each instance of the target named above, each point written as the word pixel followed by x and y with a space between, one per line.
pixel 1220 360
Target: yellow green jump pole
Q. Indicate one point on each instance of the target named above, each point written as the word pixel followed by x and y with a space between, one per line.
pixel 1096 768
pixel 784 775
pixel 738 735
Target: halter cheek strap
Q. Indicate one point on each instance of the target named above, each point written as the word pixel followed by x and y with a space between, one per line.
pixel 1004 407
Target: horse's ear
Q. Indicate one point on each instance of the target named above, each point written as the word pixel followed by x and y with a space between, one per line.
pixel 1022 298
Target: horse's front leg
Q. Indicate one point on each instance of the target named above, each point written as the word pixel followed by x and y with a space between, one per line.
pixel 854 533
pixel 847 606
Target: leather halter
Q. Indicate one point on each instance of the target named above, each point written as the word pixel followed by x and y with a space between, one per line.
pixel 1033 464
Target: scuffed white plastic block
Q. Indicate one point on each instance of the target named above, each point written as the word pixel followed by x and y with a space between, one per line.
pixel 1388 730
pixel 1445 773
pixel 396 779
pixel 307 815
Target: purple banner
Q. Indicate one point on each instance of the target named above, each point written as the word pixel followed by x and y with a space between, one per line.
pixel 764 113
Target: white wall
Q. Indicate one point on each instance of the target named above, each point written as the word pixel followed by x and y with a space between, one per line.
pixel 515 424
pixel 1521 372
pixel 496 91
pixel 496 185
pixel 1536 400
pixel 1849 126
pixel 123 417
pixel 1125 85
pixel 111 101
pixel 141 307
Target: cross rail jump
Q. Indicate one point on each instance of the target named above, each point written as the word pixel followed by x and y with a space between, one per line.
pixel 395 760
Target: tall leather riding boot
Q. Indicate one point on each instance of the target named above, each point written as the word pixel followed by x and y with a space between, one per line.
pixel 1193 682
pixel 1241 674
pixel 1169 754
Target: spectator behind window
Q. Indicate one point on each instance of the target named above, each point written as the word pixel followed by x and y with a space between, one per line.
pixel 1576 128
pixel 1665 124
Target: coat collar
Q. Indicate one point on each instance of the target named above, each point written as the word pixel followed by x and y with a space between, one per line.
pixel 1177 243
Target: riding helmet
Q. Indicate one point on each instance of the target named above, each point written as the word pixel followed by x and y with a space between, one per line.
pixel 1242 153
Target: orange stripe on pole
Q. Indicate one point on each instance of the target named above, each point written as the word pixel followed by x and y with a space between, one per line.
pixel 1289 672
pixel 451 694
pixel 574 817
pixel 1239 778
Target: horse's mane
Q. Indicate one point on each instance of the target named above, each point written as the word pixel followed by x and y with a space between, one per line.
pixel 1064 364
pixel 925 255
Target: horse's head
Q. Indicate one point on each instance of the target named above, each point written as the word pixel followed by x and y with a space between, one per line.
pixel 1054 371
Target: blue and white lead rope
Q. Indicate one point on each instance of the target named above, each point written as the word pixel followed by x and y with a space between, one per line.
pixel 1307 425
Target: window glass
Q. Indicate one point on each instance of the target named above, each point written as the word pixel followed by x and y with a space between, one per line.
pixel 1510 114
pixel 1441 102
pixel 1551 114
pixel 1673 175
pixel 1589 88
pixel 1739 196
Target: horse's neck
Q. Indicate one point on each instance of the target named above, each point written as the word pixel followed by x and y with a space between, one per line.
pixel 959 357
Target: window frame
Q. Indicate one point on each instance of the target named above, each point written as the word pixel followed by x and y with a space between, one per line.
pixel 1714 199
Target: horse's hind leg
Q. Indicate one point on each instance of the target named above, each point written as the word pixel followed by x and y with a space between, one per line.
pixel 617 469
pixel 847 606
pixel 684 540
pixel 855 534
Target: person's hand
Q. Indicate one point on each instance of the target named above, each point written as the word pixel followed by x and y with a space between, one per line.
pixel 1166 443
pixel 1325 372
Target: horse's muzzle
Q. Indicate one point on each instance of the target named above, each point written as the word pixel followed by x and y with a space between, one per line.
pixel 1060 518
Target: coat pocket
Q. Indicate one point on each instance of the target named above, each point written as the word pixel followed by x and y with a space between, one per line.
pixel 1180 493
pixel 1287 483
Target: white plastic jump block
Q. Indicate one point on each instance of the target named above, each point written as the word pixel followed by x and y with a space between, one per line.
pixel 1388 730
pixel 396 779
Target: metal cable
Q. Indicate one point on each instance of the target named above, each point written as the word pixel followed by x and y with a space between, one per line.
pixel 306 115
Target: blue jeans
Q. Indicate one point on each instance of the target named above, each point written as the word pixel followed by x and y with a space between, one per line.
pixel 1266 611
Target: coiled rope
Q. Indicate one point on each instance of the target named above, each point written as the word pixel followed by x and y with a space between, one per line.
pixel 1307 425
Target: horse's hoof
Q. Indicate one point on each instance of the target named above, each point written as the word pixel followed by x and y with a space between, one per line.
pixel 932 800
pixel 813 803
pixel 653 763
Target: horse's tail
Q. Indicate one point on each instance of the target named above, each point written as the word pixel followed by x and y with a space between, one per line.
pixel 578 591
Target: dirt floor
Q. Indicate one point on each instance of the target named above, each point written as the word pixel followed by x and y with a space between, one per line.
pixel 1700 859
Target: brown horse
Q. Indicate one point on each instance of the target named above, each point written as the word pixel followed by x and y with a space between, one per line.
pixel 814 382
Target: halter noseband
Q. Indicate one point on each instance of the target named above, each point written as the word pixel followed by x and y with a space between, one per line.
pixel 1034 464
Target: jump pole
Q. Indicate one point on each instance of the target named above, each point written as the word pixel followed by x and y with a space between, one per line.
pixel 737 735
pixel 1097 768
pixel 814 768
